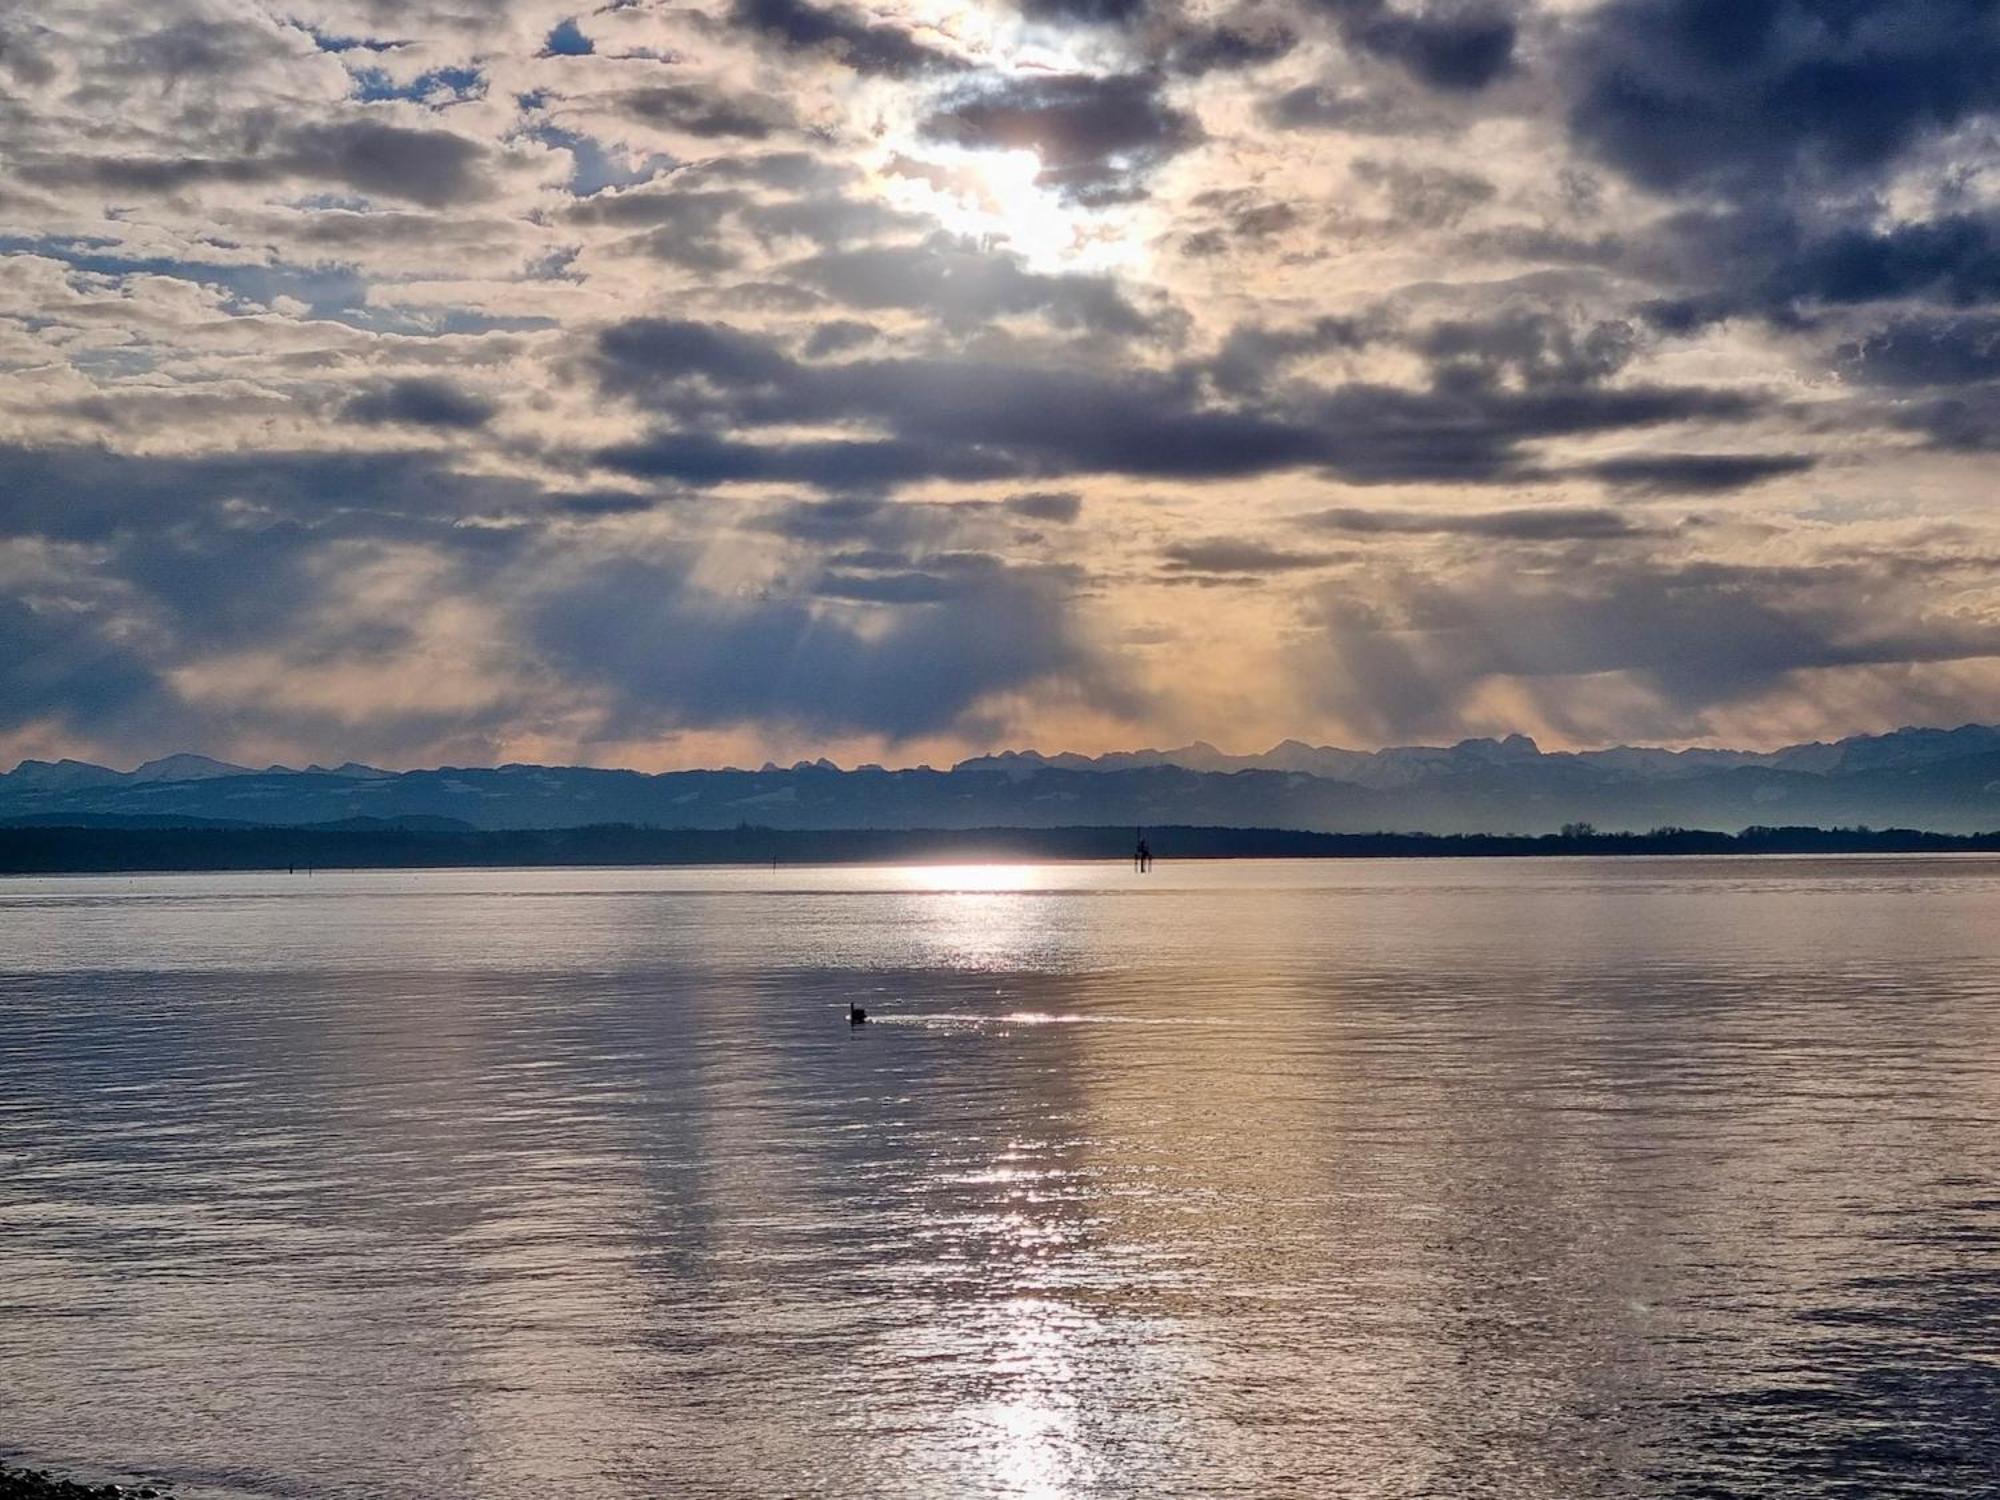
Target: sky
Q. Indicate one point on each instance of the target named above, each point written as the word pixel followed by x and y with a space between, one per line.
pixel 470 381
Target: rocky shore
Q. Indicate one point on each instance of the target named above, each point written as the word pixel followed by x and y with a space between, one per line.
pixel 38 1484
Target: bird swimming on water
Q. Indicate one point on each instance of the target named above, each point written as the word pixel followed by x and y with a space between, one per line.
pixel 855 1014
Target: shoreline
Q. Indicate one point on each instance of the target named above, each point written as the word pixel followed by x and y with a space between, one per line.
pixel 23 1482
pixel 100 850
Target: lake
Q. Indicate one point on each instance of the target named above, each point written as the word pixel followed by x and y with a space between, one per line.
pixel 1537 1178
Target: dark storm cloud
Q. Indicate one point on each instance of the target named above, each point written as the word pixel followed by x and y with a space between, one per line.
pixel 1456 47
pixel 673 656
pixel 1747 96
pixel 1098 137
pixel 1550 523
pixel 874 47
pixel 1944 373
pixel 1697 473
pixel 1697 634
pixel 1954 259
pixel 1964 423
pixel 1785 120
pixel 960 418
pixel 59 662
pixel 1778 260
pixel 1928 351
pixel 419 402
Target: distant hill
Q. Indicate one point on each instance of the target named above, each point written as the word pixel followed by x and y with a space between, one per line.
pixel 1946 780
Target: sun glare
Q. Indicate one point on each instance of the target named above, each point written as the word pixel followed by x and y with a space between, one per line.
pixel 998 198
pixel 973 878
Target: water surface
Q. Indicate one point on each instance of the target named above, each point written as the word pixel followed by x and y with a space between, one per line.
pixel 1578 1178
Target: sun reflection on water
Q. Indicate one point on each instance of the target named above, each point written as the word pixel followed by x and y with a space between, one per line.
pixel 1029 1429
pixel 950 879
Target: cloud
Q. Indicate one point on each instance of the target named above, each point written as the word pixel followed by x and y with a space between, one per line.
pixel 915 656
pixel 69 667
pixel 432 167
pixel 1084 12
pixel 838 337
pixel 1697 473
pixel 866 46
pixel 1688 636
pixel 1445 46
pixel 704 113
pixel 1531 349
pixel 1098 138
pixel 256 579
pixel 1754 98
pixel 1954 259
pixel 704 460
pixel 419 402
pixel 392 326
pixel 1252 357
pixel 963 285
pixel 969 419
pixel 1966 423
pixel 1227 555
pixel 1249 40
pixel 1918 351
pixel 436 168
pixel 1060 506
pixel 1424 196
pixel 1548 523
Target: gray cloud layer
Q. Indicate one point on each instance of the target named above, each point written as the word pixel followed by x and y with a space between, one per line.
pixel 510 380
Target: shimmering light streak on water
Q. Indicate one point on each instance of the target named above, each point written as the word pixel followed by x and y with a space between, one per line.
pixel 1529 1179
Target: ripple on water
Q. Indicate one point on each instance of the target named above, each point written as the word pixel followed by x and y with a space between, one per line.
pixel 1508 1179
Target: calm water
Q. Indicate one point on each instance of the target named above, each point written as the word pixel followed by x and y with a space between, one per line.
pixel 1562 1178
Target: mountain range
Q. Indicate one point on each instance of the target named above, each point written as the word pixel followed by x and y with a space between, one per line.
pixel 1946 780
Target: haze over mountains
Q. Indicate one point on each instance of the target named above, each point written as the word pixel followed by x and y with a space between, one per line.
pixel 1942 779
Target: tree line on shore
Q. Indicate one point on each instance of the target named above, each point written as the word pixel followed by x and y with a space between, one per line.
pixel 55 849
